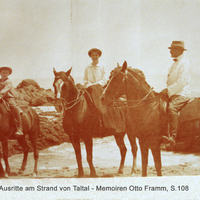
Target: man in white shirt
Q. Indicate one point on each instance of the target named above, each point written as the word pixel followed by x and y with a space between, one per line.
pixel 178 87
pixel 95 73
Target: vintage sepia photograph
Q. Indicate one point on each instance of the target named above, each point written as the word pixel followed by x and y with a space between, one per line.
pixel 99 99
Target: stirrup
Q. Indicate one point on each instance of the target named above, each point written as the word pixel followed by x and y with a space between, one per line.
pixel 19 133
pixel 169 140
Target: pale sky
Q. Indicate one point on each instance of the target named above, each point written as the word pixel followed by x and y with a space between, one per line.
pixel 41 34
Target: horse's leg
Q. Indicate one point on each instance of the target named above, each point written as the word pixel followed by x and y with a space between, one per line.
pixel 24 145
pixel 120 143
pixel 144 152
pixel 77 148
pixel 132 140
pixel 157 159
pixel 35 151
pixel 2 173
pixel 5 157
pixel 89 149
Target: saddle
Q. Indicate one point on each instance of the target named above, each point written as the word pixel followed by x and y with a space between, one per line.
pixel 7 106
pixel 190 112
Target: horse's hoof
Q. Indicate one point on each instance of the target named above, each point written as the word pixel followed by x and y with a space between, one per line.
pixel 80 176
pixel 133 171
pixel 93 176
pixel 20 171
pixel 120 171
pixel 133 175
pixel 6 175
pixel 34 174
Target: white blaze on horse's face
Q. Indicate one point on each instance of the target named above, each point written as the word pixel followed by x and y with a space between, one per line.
pixel 58 86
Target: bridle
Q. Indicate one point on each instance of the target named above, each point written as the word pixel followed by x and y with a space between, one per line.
pixel 74 102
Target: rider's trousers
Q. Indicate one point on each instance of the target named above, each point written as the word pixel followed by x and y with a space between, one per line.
pixel 176 103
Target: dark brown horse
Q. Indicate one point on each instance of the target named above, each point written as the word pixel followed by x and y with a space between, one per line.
pixel 147 110
pixel 82 120
pixel 144 111
pixel 31 128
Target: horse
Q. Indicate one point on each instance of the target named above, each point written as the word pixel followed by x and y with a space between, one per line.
pixel 148 112
pixel 31 129
pixel 144 111
pixel 82 121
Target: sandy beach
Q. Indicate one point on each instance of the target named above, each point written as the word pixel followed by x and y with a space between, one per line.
pixel 60 162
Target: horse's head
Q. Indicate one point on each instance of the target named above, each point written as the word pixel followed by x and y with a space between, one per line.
pixel 62 84
pixel 128 81
pixel 116 85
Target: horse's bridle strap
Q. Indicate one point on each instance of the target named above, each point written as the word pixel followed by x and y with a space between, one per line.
pixel 59 99
pixel 124 74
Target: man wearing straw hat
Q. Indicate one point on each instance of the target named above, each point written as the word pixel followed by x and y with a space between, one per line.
pixel 178 88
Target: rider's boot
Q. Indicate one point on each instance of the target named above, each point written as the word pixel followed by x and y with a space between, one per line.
pixel 173 131
pixel 18 121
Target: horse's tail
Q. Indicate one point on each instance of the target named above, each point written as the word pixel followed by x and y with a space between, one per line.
pixel 38 121
pixel 39 130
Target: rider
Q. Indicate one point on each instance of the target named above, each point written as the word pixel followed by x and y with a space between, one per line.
pixel 95 73
pixel 178 88
pixel 95 78
pixel 7 95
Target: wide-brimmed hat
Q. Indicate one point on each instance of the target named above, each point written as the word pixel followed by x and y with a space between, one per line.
pixel 177 44
pixel 6 68
pixel 94 50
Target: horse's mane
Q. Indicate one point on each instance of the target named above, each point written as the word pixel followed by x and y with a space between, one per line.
pixel 133 71
pixel 136 73
pixel 139 75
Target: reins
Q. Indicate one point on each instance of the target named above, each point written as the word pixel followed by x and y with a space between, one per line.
pixel 140 102
pixel 76 101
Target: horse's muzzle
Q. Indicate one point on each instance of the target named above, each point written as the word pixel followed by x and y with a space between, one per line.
pixel 59 105
pixel 105 100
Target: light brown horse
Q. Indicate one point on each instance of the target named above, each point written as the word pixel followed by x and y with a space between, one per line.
pixel 31 129
pixel 82 121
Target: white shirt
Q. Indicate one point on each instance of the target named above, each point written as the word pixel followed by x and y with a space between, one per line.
pixel 178 82
pixel 95 74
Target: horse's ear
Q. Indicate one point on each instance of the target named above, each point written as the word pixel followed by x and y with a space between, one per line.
pixel 118 65
pixel 68 72
pixel 54 71
pixel 124 67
